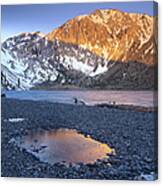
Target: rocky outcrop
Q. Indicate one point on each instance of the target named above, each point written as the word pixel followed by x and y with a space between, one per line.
pixel 113 35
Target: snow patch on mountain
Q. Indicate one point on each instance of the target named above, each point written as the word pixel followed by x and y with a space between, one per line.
pixel 29 59
pixel 20 67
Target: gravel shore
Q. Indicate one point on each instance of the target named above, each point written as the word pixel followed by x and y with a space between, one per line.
pixel 131 133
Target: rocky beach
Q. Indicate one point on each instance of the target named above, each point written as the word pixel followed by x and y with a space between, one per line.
pixel 132 133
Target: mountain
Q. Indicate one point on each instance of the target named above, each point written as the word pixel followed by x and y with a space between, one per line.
pixel 107 49
pixel 21 61
pixel 31 59
pixel 113 35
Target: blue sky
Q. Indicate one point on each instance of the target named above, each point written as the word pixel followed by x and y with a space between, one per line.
pixel 46 17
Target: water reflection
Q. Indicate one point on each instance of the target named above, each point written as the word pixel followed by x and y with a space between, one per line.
pixel 64 145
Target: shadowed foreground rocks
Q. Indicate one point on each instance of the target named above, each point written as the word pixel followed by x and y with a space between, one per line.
pixel 131 133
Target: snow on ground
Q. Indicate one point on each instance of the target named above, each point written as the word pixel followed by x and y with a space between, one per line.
pixel 14 120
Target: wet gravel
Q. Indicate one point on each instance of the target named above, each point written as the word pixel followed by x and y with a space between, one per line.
pixel 131 133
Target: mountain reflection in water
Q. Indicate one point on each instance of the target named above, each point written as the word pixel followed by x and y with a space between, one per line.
pixel 64 145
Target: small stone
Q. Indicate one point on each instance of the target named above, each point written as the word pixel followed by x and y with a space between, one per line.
pixel 35 140
pixel 147 159
pixel 108 164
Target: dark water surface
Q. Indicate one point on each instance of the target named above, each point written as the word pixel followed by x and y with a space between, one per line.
pixel 90 97
pixel 63 145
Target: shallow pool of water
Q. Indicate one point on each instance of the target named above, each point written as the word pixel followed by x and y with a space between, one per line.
pixel 64 145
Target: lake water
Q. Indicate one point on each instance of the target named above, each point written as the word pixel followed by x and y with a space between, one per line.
pixel 90 97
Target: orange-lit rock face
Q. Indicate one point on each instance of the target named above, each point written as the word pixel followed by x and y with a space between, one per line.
pixel 112 34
